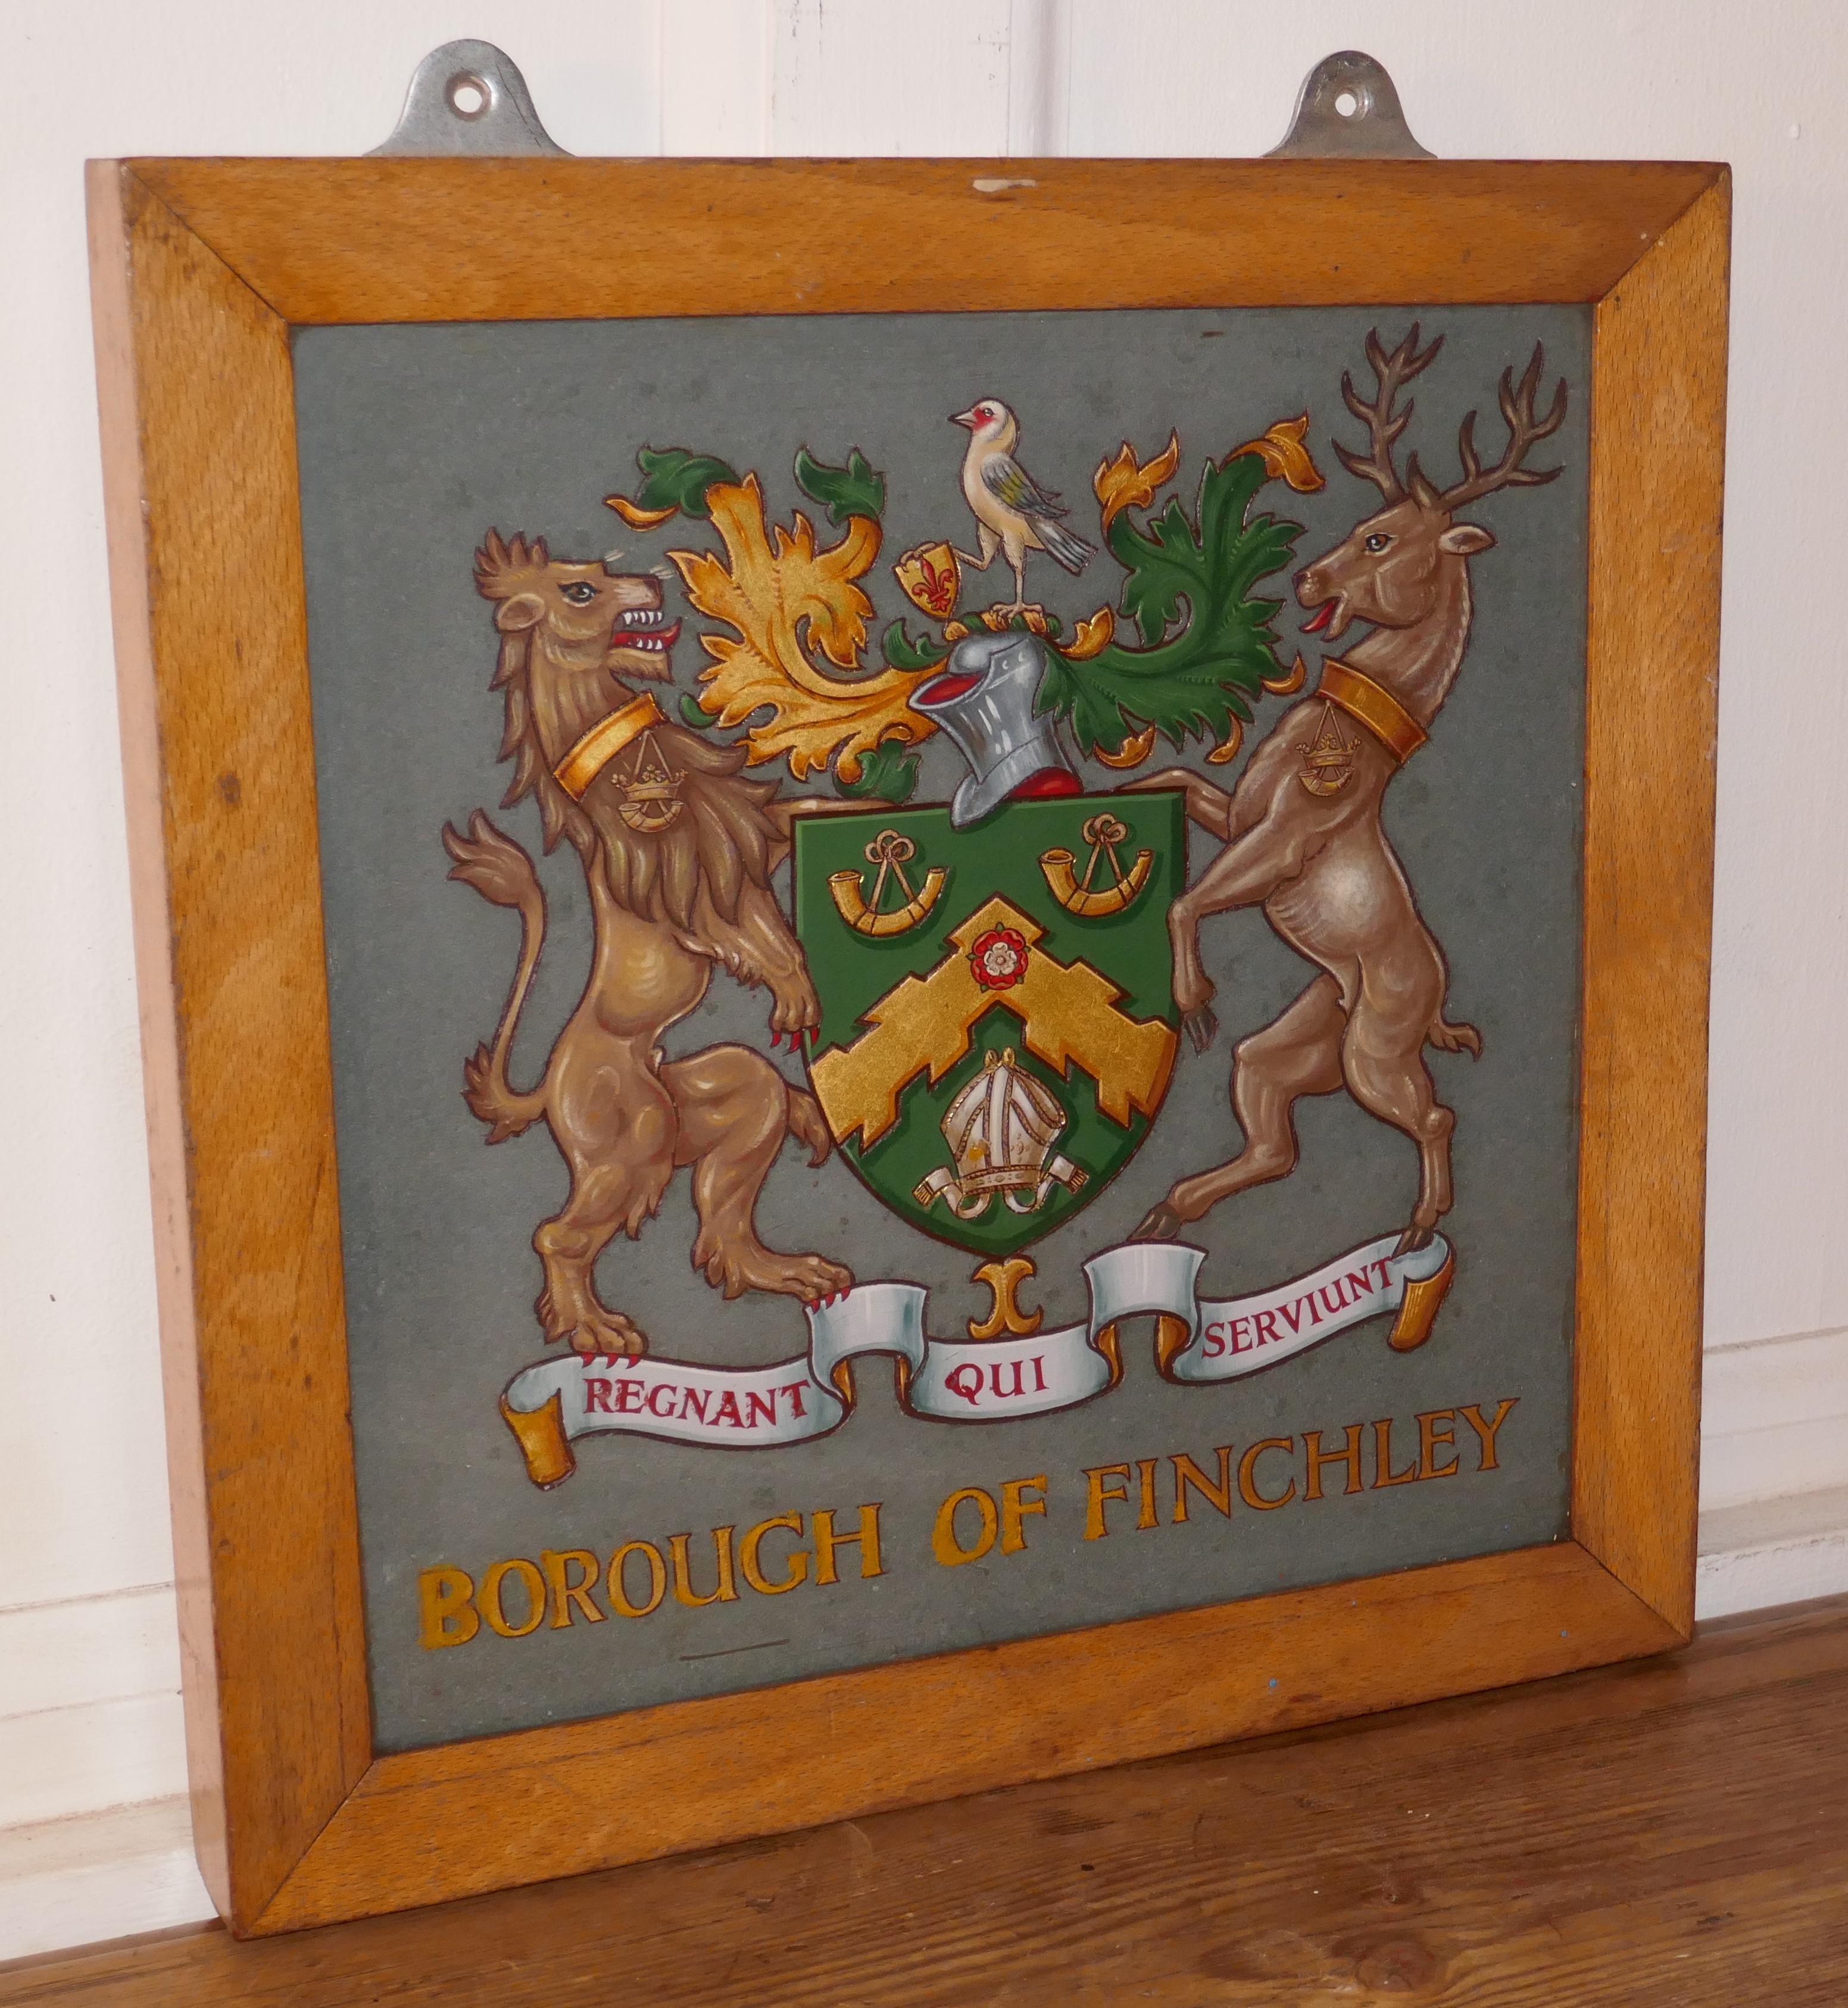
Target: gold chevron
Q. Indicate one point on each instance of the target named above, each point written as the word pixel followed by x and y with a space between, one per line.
pixel 1068 1011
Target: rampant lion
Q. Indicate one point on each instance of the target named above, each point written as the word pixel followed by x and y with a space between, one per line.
pixel 677 851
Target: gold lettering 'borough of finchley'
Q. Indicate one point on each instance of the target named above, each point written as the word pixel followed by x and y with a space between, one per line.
pixel 517 1597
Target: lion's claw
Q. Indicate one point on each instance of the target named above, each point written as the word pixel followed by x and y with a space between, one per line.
pixel 798 1013
pixel 814 1278
pixel 608 1335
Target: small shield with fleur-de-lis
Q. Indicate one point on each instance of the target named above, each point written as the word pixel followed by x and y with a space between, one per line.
pixel 932 579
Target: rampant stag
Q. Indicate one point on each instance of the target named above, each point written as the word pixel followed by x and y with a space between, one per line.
pixel 1301 831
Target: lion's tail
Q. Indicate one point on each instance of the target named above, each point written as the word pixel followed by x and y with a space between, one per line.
pixel 500 871
pixel 810 1125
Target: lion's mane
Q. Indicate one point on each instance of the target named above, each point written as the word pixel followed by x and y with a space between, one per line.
pixel 721 840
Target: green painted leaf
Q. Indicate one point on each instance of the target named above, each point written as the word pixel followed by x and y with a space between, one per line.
pixel 674 478
pixel 888 774
pixel 1193 575
pixel 901 652
pixel 695 714
pixel 856 490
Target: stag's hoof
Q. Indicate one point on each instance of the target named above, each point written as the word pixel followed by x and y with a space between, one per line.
pixel 1457 1039
pixel 1160 1223
pixel 1411 1240
pixel 1201 1027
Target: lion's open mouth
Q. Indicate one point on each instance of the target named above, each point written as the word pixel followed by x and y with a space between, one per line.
pixel 646 628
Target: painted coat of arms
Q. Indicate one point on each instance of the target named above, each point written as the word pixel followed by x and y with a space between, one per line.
pixel 988 993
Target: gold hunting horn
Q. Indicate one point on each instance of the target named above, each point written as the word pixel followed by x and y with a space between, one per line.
pixel 1103 833
pixel 891 852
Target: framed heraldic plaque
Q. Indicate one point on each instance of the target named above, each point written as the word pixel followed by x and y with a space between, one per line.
pixel 923 957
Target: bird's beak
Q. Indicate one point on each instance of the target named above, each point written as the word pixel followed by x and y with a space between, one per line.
pixel 966 419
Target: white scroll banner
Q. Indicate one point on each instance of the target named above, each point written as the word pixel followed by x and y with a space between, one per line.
pixel 1198 1341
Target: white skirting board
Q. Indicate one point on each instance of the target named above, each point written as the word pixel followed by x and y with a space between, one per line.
pixel 90 1706
pixel 1774 1474
pixel 95 1835
pixel 1773 1551
pixel 98 1875
pixel 1774 1420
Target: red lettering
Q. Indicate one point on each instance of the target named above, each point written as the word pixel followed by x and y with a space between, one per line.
pixel 1340 1303
pixel 728 1410
pixel 1215 1344
pixel 596 1395
pixel 1006 1393
pixel 1292 1312
pixel 1314 1310
pixel 1039 1373
pixel 1266 1322
pixel 965 1381
pixel 629 1396
pixel 795 1391
pixel 693 1404
pixel 654 1407
pixel 1248 1344
pixel 760 1408
pixel 1356 1281
pixel 1385 1266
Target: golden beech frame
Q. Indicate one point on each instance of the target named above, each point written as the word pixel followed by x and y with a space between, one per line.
pixel 201 270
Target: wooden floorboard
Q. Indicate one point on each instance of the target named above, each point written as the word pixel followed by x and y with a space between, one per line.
pixel 1672 1833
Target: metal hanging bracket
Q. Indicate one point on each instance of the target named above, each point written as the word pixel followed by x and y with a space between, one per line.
pixel 1348 110
pixel 469 97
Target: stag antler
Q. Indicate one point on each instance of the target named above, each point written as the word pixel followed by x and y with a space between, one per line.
pixel 1383 426
pixel 1525 430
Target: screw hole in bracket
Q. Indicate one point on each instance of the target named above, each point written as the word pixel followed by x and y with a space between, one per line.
pixel 466 95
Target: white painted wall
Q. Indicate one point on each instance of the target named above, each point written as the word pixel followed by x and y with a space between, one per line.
pixel 89 1716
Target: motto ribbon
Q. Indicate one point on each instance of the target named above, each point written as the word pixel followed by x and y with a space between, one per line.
pixel 1198 1341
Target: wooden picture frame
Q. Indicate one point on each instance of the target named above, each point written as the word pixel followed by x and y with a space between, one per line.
pixel 202 269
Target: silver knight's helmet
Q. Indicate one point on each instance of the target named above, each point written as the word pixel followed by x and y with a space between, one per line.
pixel 984 700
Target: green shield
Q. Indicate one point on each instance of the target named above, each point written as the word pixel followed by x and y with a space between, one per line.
pixel 997 1020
